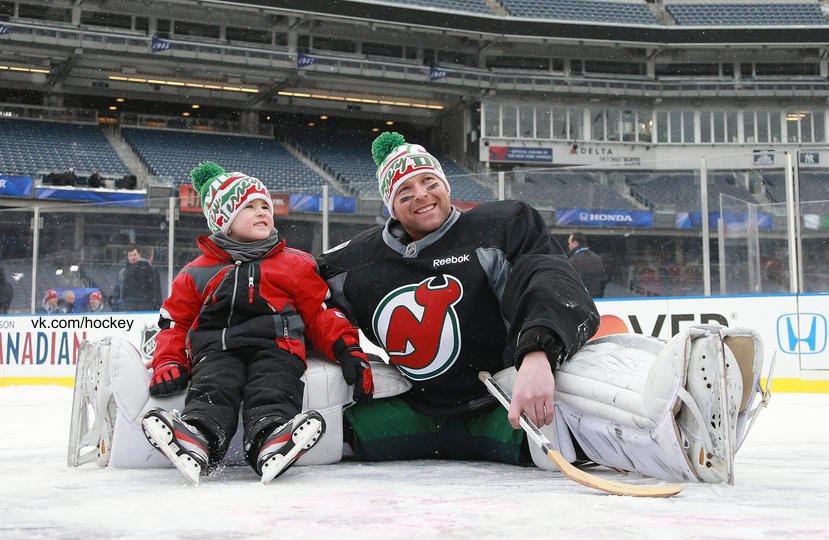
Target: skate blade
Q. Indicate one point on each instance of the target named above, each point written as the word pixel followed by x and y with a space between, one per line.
pixel 303 437
pixel 161 437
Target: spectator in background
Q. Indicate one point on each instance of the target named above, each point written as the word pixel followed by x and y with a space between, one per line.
pixel 50 301
pixel 134 287
pixel 66 304
pixel 95 180
pixel 6 292
pixel 149 254
pixel 96 301
pixel 588 265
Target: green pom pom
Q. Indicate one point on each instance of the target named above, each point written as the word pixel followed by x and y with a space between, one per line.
pixel 204 173
pixel 384 144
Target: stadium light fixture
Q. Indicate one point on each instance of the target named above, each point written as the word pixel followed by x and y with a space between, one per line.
pixel 24 69
pixel 164 82
pixel 357 99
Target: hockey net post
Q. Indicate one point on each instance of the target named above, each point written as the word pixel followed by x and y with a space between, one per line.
pixel 568 469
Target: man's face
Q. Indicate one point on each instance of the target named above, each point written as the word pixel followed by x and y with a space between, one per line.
pixel 572 244
pixel 422 204
pixel 68 296
pixel 133 256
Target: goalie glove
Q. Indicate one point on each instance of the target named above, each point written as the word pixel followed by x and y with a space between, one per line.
pixel 169 379
pixel 356 369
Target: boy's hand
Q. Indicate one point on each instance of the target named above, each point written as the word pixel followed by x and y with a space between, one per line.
pixel 356 370
pixel 169 379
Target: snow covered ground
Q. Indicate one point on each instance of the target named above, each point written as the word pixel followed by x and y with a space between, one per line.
pixel 781 491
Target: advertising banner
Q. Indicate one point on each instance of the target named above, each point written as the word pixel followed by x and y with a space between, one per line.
pixel 15 186
pixel 520 154
pixel 43 349
pixel 734 221
pixel 603 218
pixel 109 198
pixel 313 203
pixel 34 347
pixel 190 201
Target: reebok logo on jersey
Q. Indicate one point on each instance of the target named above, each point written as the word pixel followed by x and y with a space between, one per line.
pixel 450 260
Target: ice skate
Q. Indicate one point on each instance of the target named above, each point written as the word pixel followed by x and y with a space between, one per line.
pixel 708 420
pixel 287 443
pixel 182 443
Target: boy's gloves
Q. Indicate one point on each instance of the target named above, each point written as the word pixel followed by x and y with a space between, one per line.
pixel 168 379
pixel 356 369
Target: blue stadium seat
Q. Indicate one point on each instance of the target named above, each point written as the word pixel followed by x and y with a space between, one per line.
pixel 30 146
pixel 173 154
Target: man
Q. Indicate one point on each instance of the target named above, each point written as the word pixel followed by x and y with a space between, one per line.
pixel 588 265
pixel 134 289
pixel 148 253
pixel 66 304
pixel 446 295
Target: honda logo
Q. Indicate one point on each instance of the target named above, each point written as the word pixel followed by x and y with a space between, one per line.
pixel 803 333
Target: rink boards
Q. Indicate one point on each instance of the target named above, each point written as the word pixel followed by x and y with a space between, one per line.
pixel 42 349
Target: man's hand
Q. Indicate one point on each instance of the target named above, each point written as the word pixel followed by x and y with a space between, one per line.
pixel 533 391
pixel 168 379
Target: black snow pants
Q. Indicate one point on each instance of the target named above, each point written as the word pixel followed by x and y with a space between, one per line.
pixel 264 383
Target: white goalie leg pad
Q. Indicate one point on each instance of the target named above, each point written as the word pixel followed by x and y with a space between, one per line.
pixel 676 410
pixel 724 385
pixel 619 395
pixel 747 347
pixel 126 381
pixel 93 414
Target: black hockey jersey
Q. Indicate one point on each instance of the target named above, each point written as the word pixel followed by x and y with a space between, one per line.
pixel 455 302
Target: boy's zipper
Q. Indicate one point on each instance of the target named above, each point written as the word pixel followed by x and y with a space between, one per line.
pixel 233 297
pixel 250 284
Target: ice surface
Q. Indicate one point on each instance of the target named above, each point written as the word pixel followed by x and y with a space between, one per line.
pixel 781 491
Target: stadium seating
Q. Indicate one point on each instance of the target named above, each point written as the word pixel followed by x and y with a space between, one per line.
pixel 349 161
pixel 681 191
pixel 173 154
pixel 751 14
pixel 582 10
pixel 569 190
pixel 812 186
pixel 471 6
pixel 30 147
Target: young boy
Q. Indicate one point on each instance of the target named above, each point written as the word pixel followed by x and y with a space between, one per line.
pixel 234 327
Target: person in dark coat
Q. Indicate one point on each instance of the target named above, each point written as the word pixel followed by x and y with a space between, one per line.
pixel 588 264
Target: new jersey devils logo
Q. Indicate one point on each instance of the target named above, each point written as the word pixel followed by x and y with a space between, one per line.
pixel 418 326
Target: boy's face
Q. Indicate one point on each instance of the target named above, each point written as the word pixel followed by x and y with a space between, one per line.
pixel 421 204
pixel 253 222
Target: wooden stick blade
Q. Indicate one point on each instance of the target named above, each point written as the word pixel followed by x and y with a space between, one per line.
pixel 568 469
pixel 609 486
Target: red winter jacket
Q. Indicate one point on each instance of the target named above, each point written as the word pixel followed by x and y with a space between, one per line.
pixel 219 304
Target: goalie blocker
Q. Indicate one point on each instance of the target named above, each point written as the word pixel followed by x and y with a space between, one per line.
pixel 676 411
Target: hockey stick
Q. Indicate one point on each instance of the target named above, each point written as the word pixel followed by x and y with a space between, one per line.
pixel 568 469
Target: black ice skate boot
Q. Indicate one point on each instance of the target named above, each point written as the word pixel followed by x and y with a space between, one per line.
pixel 287 443
pixel 182 443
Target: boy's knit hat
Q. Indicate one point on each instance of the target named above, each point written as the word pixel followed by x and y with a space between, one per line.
pixel 223 194
pixel 397 161
pixel 96 295
pixel 50 295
